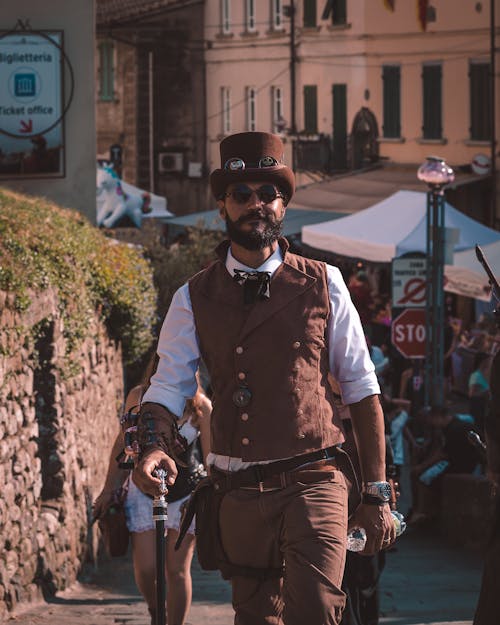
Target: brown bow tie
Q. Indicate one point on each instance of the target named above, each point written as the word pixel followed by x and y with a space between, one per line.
pixel 256 284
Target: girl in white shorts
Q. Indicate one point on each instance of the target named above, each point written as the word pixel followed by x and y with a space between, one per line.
pixel 139 509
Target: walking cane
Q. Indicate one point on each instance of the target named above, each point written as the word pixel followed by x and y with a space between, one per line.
pixel 159 517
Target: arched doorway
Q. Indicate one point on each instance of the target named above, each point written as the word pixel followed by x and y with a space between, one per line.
pixel 364 135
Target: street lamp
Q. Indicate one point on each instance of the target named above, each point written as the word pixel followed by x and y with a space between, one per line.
pixel 436 174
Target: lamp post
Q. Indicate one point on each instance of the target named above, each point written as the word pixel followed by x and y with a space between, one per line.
pixel 436 174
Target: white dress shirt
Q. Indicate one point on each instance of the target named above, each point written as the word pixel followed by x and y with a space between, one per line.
pixel 174 381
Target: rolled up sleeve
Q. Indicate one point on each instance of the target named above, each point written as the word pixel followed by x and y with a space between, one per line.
pixel 350 362
pixel 174 381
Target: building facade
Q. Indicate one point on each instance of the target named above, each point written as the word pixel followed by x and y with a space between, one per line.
pixel 347 83
pixel 351 83
pixel 151 96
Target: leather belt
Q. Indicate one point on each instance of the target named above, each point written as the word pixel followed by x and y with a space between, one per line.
pixel 277 474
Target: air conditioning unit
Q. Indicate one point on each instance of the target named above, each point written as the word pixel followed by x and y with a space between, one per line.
pixel 170 162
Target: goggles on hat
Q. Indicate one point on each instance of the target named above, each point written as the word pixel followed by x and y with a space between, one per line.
pixel 241 194
pixel 238 164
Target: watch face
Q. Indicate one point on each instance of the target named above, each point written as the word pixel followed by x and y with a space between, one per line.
pixel 382 490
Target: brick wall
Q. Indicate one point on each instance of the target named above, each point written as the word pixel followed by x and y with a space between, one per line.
pixel 57 425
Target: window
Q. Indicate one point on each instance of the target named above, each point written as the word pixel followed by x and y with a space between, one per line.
pixel 480 101
pixel 106 71
pixel 432 103
pixel 278 120
pixel 250 15
pixel 391 77
pixel 277 14
pixel 226 17
pixel 310 109
pixel 251 108
pixel 309 16
pixel 339 12
pixel 226 110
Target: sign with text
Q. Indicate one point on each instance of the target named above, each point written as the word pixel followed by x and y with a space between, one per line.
pixel 31 103
pixel 408 333
pixel 409 279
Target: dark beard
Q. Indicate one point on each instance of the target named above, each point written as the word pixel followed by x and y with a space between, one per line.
pixel 253 240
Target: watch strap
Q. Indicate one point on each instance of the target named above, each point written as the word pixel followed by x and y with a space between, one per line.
pixel 372 500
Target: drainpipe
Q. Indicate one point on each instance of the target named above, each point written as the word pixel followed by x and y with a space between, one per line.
pixel 293 62
pixel 151 122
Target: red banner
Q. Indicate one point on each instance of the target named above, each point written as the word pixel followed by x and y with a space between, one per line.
pixel 422 13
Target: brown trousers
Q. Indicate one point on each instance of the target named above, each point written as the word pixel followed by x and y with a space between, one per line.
pixel 302 526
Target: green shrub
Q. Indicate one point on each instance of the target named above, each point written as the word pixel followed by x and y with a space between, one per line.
pixel 174 265
pixel 43 245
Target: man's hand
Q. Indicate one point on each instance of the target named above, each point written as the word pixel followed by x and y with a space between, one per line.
pixel 143 474
pixel 378 524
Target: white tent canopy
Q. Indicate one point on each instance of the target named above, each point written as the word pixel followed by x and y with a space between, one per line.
pixel 467 276
pixel 391 228
pixel 397 225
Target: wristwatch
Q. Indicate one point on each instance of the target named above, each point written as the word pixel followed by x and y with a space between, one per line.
pixel 376 492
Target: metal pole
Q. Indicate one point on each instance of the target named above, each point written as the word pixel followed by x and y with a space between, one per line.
pixel 436 174
pixel 428 308
pixel 435 303
pixel 159 517
pixel 439 298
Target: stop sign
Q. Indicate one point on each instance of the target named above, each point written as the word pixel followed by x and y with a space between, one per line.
pixel 408 333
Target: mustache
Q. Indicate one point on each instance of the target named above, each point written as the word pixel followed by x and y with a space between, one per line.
pixel 252 216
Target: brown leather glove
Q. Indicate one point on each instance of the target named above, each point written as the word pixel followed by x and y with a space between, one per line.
pixel 157 428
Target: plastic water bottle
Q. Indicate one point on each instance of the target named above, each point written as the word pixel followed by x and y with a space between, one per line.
pixel 356 537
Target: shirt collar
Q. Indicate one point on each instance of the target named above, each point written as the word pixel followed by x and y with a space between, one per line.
pixel 270 264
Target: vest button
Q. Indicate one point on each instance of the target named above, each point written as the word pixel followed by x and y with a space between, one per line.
pixel 301 435
pixel 241 375
pixel 245 441
pixel 296 345
pixel 297 389
pixel 244 416
pixel 300 412
pixel 239 350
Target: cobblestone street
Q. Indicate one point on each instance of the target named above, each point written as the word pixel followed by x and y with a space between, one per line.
pixel 424 581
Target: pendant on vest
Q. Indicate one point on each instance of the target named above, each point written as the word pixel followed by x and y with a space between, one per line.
pixel 242 397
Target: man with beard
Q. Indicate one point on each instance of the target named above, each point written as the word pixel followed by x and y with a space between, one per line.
pixel 270 326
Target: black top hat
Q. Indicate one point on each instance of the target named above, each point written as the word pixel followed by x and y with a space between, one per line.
pixel 252 156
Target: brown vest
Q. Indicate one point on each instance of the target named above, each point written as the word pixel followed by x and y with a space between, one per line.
pixel 276 350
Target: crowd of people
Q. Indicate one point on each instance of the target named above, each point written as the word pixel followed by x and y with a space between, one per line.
pixel 310 428
pixel 430 441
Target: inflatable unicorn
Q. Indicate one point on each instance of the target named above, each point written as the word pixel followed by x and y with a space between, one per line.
pixel 114 202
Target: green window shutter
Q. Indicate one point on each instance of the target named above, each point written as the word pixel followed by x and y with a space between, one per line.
pixel 310 109
pixel 339 12
pixel 480 101
pixel 106 71
pixel 432 102
pixel 391 77
pixel 309 16
pixel 339 157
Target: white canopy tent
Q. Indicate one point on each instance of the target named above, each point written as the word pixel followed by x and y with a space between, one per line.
pixel 467 276
pixel 391 228
pixel 397 225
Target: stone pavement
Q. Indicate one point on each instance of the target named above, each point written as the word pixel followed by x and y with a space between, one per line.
pixel 425 582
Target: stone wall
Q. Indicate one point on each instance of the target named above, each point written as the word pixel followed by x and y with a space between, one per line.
pixel 57 425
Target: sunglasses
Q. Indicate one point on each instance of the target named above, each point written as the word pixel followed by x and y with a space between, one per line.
pixel 241 194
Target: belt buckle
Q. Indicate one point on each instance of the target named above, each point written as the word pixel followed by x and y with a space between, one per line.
pixel 260 480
